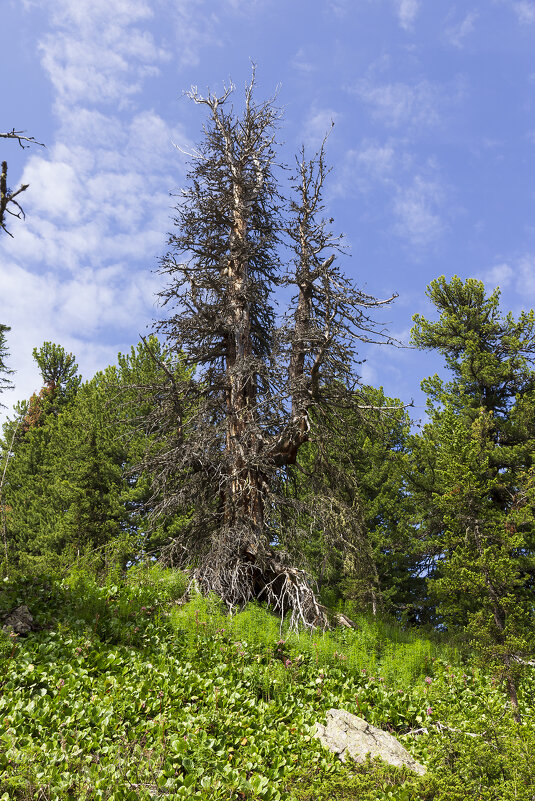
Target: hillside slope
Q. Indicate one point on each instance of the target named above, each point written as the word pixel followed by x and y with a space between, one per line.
pixel 127 694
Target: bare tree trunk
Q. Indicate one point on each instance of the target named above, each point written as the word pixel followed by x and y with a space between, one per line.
pixel 243 499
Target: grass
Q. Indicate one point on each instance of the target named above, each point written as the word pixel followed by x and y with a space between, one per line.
pixel 125 694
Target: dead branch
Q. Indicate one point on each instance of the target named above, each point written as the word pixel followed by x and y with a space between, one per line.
pixel 19 136
pixel 440 727
pixel 7 196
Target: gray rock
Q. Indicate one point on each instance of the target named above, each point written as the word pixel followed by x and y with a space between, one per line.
pixel 348 734
pixel 18 620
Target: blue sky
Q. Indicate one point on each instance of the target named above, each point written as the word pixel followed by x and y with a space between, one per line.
pixel 432 151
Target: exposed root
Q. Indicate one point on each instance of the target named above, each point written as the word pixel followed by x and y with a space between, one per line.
pixel 265 578
pixel 287 591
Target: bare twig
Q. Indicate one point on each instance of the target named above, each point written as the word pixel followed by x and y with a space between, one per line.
pixel 7 196
pixel 440 727
pixel 19 136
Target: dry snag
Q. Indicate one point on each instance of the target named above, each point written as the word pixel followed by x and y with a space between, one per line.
pixel 8 202
pixel 227 435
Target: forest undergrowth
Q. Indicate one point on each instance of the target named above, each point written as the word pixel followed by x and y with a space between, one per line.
pixel 126 693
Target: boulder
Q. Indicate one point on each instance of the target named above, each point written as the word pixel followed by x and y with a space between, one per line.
pixel 346 734
pixel 18 620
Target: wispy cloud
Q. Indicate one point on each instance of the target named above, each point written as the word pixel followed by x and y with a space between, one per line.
pixel 339 8
pixel 499 275
pixel 376 160
pixel 318 125
pixel 412 195
pixel 79 271
pixel 417 208
pixel 457 33
pixel 516 277
pixel 525 278
pixel 407 11
pixel 99 52
pixel 525 11
pixel 302 63
pixel 401 104
pixel 88 203
pixel 364 169
pixel 73 311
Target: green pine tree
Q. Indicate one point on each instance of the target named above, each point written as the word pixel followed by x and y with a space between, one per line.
pixel 27 466
pixel 363 549
pixel 468 467
pixel 486 557
pixel 72 487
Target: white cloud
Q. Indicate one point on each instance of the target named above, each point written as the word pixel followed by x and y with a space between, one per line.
pixel 55 189
pixel 88 205
pixel 96 52
pixel 302 63
pixel 368 373
pixel 515 276
pixel 499 275
pixel 195 24
pixel 318 124
pixel 364 170
pixel 339 7
pixel 456 34
pixel 401 104
pixel 79 270
pixel 525 11
pixel 411 195
pixel 417 211
pixel 377 160
pixel 86 15
pixel 407 11
pixel 525 278
pixel 73 312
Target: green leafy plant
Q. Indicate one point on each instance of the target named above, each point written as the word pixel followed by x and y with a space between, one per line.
pixel 184 701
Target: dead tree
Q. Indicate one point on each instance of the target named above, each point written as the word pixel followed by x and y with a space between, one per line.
pixel 227 435
pixel 8 202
